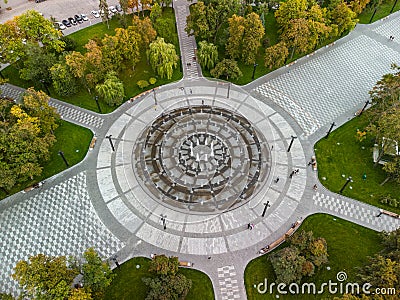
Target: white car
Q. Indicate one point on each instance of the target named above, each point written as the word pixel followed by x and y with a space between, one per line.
pixel 84 17
pixel 60 25
pixel 112 9
pixel 95 14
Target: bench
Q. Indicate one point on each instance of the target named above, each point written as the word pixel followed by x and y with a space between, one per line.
pixel 391 214
pixel 279 241
pixel 185 264
pixel 92 143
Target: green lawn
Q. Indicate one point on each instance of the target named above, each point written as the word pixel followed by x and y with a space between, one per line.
pixel 73 140
pixel 381 12
pixel 348 246
pixel 341 154
pixel 126 74
pixel 128 282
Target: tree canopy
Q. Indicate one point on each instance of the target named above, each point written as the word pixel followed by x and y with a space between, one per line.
pixel 163 58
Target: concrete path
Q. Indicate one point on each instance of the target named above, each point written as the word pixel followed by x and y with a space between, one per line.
pixel 102 202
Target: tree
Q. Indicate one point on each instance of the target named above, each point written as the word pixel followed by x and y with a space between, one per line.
pixel 168 287
pixel 254 31
pixel 145 29
pixel 167 30
pixel 37 65
pixel 342 18
pixel 380 272
pixel 97 275
pixel 163 58
pixel 104 12
pixel 26 135
pixel 79 294
pixel 146 4
pixel 12 46
pixel 391 243
pixel 392 169
pixel 163 265
pixel 290 10
pixel 197 23
pixel 63 81
pixel 228 68
pixel 275 56
pixel 133 3
pixel 44 277
pixel 112 90
pixel 358 5
pixel 236 35
pixel 207 55
pixel 288 265
pixel 156 12
pixel 128 44
pixel 168 283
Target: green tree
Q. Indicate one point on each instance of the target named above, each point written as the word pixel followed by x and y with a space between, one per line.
pixel 133 3
pixel 391 243
pixel 254 31
pixel 392 169
pixel 167 30
pixel 97 275
pixel 228 68
pixel 236 35
pixel 26 135
pixel 275 56
pixel 288 265
pixel 145 29
pixel 37 65
pixel 129 44
pixel 358 5
pixel 163 265
pixel 380 272
pixel 342 18
pixel 44 277
pixel 112 90
pixel 290 10
pixel 146 4
pixel 156 12
pixel 167 287
pixel 63 81
pixel 162 57
pixel 207 55
pixel 11 41
pixel 197 23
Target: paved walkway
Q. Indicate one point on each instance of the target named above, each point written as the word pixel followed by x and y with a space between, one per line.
pixel 101 202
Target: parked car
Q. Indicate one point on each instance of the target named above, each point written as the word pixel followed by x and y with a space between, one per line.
pixel 59 25
pixel 112 9
pixel 95 14
pixel 118 7
pixel 72 21
pixel 78 18
pixel 66 23
pixel 84 17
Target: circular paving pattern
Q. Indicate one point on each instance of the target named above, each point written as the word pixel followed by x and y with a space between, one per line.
pixel 209 159
pixel 190 171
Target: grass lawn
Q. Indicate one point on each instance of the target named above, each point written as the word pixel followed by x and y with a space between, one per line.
pixel 381 12
pixel 341 154
pixel 74 146
pixel 83 99
pixel 128 282
pixel 348 247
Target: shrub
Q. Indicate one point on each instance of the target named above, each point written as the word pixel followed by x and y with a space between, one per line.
pixel 142 84
pixel 152 80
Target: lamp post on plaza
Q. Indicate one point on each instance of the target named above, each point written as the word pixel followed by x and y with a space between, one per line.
pixel 291 143
pixel 96 98
pixel 373 15
pixel 63 157
pixel 265 208
pixel 349 179
pixel 365 106
pixel 111 143
pixel 330 129
pixel 395 2
pixel 229 88
pixel 254 70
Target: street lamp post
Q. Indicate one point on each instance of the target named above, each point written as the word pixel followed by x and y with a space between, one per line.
pixel 155 98
pixel 291 143
pixel 96 98
pixel 265 208
pixel 111 143
pixel 254 70
pixel 395 2
pixel 229 88
pixel 63 157
pixel 330 129
pixel 365 106
pixel 163 219
pixel 349 179
pixel 373 15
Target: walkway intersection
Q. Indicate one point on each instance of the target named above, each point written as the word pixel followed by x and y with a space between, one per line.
pixel 109 200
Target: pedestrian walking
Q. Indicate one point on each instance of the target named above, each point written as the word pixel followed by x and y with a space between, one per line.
pixel 380 213
pixel 276 180
pixel 315 187
pixel 291 174
pixel 296 171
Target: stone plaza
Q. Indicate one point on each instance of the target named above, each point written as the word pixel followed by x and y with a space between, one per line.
pixel 183 169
